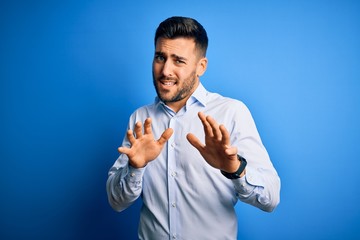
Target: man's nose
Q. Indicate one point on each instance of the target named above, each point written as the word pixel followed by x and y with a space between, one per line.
pixel 167 70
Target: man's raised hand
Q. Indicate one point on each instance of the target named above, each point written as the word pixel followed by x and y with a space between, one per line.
pixel 216 150
pixel 144 148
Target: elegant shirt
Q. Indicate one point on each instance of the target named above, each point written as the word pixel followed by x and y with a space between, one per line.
pixel 183 196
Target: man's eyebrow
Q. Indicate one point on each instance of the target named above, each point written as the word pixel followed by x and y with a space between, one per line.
pixel 178 57
pixel 159 53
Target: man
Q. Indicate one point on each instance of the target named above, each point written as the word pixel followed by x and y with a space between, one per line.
pixel 192 153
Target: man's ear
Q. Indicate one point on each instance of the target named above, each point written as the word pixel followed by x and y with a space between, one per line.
pixel 201 68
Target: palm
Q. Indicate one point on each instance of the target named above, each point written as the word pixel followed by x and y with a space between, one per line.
pixel 217 150
pixel 144 148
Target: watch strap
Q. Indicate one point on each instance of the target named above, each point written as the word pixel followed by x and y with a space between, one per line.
pixel 238 172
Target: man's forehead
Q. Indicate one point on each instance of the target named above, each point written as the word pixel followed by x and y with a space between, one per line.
pixel 176 43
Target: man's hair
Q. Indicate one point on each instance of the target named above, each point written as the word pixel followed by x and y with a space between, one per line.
pixel 176 27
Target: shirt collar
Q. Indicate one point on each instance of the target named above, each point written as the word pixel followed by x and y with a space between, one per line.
pixel 199 95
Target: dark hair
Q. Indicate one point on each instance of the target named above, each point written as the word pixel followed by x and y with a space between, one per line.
pixel 175 27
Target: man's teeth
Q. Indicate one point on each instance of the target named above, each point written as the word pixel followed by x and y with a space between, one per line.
pixel 169 83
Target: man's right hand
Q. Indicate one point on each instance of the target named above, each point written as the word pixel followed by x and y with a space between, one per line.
pixel 144 148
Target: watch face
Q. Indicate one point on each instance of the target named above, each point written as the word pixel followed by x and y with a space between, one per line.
pixel 235 175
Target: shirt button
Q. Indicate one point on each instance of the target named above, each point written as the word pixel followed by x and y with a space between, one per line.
pixel 173 204
pixel 173 236
pixel 132 174
pixel 173 174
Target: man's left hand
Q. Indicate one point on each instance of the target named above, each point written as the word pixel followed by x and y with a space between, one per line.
pixel 216 150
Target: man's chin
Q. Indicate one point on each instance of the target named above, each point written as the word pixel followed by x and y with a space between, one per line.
pixel 165 99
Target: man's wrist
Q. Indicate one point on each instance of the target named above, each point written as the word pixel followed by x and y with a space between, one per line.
pixel 240 172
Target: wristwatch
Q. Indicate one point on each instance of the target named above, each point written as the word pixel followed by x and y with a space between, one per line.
pixel 236 174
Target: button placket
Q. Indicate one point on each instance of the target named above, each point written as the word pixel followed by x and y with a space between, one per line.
pixel 171 180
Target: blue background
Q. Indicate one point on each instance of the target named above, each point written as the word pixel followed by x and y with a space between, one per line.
pixel 72 72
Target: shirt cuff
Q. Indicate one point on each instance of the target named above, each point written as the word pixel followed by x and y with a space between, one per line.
pixel 242 186
pixel 135 174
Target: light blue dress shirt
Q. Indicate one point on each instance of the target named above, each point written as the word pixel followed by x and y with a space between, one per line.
pixel 183 196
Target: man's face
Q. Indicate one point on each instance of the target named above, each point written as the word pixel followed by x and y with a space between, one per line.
pixel 176 70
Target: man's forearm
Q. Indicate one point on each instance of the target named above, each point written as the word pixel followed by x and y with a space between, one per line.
pixel 260 189
pixel 124 186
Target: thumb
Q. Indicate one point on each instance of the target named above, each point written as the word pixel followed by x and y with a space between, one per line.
pixel 124 150
pixel 165 136
pixel 195 142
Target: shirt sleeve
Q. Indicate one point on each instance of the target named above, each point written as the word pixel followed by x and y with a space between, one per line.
pixel 124 184
pixel 260 186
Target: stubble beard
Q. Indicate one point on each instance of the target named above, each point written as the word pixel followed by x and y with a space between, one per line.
pixel 185 91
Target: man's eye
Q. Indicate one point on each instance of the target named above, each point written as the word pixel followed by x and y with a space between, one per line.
pixel 159 58
pixel 179 61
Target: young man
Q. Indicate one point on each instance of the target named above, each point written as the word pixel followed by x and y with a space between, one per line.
pixel 192 153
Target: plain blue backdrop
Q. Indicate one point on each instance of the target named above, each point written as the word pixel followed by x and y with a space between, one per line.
pixel 73 71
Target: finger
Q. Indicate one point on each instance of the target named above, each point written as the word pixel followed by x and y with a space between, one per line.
pixel 207 127
pixel 195 142
pixel 215 128
pixel 138 129
pixel 165 136
pixel 124 150
pixel 130 136
pixel 225 135
pixel 147 126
